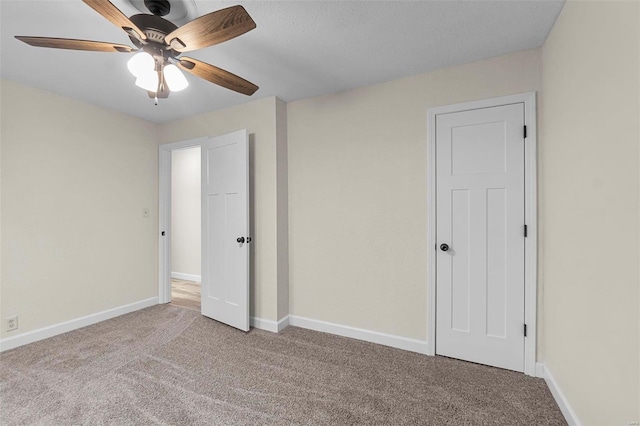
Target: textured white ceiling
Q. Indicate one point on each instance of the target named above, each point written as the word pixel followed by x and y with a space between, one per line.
pixel 299 48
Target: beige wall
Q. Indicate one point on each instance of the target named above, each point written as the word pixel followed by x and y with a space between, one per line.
pixel 590 184
pixel 75 179
pixel 259 118
pixel 357 192
pixel 185 212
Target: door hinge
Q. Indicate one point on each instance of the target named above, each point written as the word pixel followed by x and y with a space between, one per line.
pixel 525 231
pixel 525 132
pixel 525 330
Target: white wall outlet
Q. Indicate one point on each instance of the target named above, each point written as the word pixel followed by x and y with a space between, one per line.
pixel 145 212
pixel 11 323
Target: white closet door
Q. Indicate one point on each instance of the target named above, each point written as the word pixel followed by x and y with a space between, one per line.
pixel 480 234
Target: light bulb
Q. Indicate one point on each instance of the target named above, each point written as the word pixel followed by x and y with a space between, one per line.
pixel 148 81
pixel 141 63
pixel 176 81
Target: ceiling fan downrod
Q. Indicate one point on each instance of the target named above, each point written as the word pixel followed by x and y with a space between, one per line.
pixel 158 7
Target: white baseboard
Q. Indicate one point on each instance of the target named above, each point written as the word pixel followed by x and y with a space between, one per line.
pixel 186 277
pixel 264 324
pixel 562 401
pixel 64 327
pixel 283 323
pixel 270 325
pixel 405 343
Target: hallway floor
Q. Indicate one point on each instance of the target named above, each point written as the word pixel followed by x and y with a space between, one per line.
pixel 185 294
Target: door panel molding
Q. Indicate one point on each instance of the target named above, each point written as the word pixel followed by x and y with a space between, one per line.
pixel 530 169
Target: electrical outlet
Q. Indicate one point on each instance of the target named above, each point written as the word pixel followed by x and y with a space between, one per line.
pixel 11 323
pixel 145 212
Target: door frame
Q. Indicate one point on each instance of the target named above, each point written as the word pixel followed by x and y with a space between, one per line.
pixel 164 213
pixel 531 217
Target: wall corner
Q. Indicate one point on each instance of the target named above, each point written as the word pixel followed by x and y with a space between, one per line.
pixel 282 203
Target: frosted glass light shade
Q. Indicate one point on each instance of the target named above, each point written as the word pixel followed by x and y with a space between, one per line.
pixel 141 63
pixel 174 78
pixel 148 81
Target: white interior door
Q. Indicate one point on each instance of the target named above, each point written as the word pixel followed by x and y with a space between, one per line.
pixel 225 229
pixel 480 235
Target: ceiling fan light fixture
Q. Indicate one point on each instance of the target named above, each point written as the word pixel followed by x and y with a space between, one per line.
pixel 174 78
pixel 159 42
pixel 141 63
pixel 148 81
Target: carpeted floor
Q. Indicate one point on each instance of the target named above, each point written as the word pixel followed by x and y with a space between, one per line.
pixel 169 365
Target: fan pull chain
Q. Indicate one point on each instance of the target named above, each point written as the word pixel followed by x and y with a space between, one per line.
pixel 160 83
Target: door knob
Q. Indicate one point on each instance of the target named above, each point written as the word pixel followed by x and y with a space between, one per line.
pixel 444 247
pixel 240 240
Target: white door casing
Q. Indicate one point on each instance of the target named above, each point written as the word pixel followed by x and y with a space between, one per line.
pixel 225 229
pixel 164 214
pixel 480 175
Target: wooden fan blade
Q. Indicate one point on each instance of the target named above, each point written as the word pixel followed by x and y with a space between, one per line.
pixel 68 43
pixel 210 29
pixel 113 14
pixel 217 76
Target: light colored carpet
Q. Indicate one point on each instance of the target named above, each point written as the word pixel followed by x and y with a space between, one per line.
pixel 170 365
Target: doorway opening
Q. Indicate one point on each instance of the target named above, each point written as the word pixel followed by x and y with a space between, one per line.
pixel 186 247
pixel 224 228
pixel 167 272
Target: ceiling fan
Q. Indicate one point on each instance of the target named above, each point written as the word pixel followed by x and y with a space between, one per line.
pixel 159 44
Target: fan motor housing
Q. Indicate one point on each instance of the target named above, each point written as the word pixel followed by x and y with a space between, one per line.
pixel 155 29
